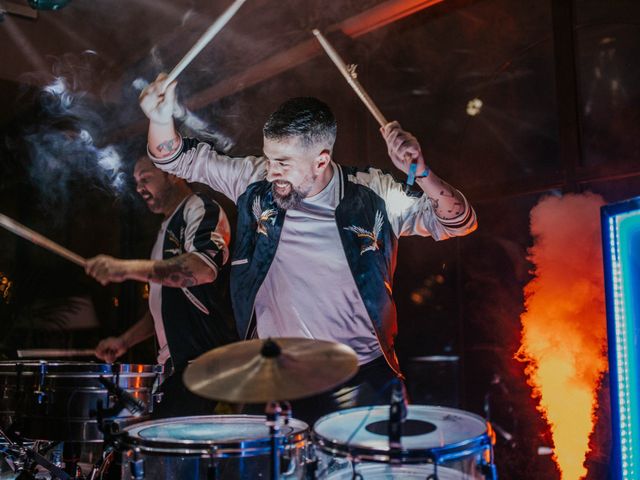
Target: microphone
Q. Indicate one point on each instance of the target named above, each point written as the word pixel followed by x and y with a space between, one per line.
pixel 397 414
pixel 135 406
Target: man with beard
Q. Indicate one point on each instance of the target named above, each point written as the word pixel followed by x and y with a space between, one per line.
pixel 316 241
pixel 188 313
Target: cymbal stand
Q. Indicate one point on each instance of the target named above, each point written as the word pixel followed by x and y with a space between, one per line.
pixel 273 411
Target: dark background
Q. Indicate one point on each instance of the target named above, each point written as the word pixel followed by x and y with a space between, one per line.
pixel 559 82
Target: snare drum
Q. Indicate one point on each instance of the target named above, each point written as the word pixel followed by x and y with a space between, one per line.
pixel 456 443
pixel 223 447
pixel 57 400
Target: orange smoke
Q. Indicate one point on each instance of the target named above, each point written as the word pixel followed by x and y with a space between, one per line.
pixel 564 324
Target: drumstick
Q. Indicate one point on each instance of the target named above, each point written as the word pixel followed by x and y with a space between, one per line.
pixel 355 84
pixel 41 240
pixel 202 42
pixel 53 353
pixel 364 96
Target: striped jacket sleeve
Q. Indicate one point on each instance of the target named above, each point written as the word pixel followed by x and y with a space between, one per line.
pixel 197 161
pixel 412 214
pixel 207 231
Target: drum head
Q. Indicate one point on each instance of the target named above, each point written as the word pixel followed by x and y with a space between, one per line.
pixel 226 434
pixel 429 433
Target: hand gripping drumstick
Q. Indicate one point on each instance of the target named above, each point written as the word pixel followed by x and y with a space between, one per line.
pixel 41 240
pixel 364 96
pixel 202 42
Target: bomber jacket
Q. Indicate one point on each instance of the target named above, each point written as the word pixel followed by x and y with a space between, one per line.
pixel 373 211
pixel 197 318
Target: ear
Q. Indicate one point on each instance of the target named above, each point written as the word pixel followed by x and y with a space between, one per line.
pixel 323 160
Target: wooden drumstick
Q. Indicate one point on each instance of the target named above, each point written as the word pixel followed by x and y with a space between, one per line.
pixel 202 42
pixel 55 353
pixel 41 240
pixel 364 96
pixel 355 84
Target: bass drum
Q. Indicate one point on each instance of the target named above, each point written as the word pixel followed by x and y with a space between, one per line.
pixel 57 401
pixel 437 443
pixel 224 447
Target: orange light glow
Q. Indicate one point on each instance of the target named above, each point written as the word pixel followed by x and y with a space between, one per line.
pixel 564 325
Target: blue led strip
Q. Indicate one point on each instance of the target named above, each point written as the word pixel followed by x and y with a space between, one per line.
pixel 625 301
pixel 621 235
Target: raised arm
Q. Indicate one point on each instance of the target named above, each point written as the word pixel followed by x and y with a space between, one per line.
pixel 163 138
pixel 191 159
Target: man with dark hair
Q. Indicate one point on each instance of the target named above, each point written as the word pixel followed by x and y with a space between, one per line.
pixel 316 241
pixel 189 314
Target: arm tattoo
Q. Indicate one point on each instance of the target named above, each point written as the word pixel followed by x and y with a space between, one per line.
pixel 167 146
pixel 173 273
pixel 449 203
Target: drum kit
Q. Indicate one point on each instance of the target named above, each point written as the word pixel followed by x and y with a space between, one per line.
pixel 55 415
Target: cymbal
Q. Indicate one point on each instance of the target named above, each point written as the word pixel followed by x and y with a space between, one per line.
pixel 259 371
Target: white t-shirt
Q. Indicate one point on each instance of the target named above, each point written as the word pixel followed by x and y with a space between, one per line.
pixel 309 290
pixel 155 296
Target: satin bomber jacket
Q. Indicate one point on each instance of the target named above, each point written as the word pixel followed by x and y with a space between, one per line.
pixel 370 202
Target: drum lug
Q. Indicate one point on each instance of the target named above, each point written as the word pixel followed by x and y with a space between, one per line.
pixel 136 467
pixel 157 397
pixel 41 395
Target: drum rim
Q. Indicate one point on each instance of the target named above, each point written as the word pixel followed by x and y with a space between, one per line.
pixel 74 369
pixel 215 449
pixel 451 451
pixel 364 468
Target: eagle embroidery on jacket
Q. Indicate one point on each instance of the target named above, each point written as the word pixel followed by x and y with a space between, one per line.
pixel 372 236
pixel 173 239
pixel 263 216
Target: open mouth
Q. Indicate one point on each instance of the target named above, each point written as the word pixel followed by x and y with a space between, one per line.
pixel 282 187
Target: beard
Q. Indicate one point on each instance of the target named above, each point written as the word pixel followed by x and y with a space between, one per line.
pixel 295 195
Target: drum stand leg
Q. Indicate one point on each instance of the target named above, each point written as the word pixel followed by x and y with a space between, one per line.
pixel 434 475
pixel 29 456
pixel 355 475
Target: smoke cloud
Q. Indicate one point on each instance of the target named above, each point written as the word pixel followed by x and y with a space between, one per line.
pixel 564 326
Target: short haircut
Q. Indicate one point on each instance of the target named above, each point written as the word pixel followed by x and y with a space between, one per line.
pixel 307 118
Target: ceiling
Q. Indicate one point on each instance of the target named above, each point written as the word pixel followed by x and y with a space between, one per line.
pixel 103 48
pixel 422 61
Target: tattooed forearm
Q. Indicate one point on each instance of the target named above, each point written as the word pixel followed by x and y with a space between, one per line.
pixel 174 272
pixel 167 146
pixel 448 203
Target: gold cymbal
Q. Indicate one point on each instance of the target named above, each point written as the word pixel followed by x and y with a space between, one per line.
pixel 259 371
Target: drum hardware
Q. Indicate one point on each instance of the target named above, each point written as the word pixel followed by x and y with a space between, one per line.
pixel 273 411
pixel 123 398
pixel 24 459
pixel 55 400
pixel 39 393
pixel 220 447
pixel 437 443
pixel 137 466
pixel 271 371
pixel 397 416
